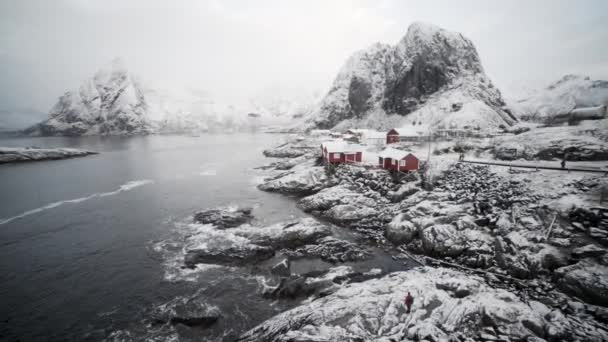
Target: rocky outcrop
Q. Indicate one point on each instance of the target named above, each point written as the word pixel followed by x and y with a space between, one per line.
pixel 586 280
pixel 302 180
pixel 17 155
pixel 447 305
pixel 248 245
pixel 331 250
pixel 318 283
pixel 431 76
pixel 224 217
pixel 189 311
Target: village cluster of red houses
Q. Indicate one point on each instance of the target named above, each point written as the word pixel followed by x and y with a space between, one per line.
pixel 348 150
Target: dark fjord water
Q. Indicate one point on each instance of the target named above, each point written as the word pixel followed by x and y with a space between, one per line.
pixel 87 245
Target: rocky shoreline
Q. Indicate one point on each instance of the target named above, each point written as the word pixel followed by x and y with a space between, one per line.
pixel 28 154
pixel 537 258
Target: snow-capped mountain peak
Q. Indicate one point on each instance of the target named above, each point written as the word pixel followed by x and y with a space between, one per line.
pixel 384 85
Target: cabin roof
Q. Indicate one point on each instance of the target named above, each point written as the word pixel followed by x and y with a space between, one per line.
pixel 341 146
pixel 393 153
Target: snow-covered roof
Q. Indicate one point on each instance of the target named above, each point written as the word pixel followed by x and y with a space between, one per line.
pixel 341 146
pixel 411 130
pixel 393 153
pixel 367 133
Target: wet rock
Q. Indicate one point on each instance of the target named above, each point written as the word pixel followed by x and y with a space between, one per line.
pixel 318 283
pixel 224 217
pixel 331 250
pixel 586 279
pixel 237 256
pixel 188 311
pixel 282 268
pixel 246 244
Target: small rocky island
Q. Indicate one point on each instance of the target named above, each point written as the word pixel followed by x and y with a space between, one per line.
pixel 28 154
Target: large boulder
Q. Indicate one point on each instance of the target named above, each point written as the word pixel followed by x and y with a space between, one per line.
pixel 586 280
pixel 442 240
pixel 224 217
pixel 400 230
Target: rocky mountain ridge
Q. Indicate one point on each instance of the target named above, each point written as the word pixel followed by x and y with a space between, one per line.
pixel 560 97
pixel 432 76
pixel 116 102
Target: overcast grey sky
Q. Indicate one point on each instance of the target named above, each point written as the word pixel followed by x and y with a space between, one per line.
pixel 237 49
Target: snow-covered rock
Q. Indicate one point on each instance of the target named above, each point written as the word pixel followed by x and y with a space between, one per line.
pixel 224 217
pixel 247 244
pixel 318 283
pixel 401 230
pixel 432 76
pixel 561 97
pixel 332 250
pixel 586 142
pixel 15 155
pixel 303 179
pixel 111 102
pixel 447 305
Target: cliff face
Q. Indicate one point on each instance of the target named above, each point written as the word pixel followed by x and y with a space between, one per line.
pixel 383 85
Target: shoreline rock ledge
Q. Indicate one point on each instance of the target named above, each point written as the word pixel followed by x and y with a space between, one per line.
pixel 448 305
pixel 29 154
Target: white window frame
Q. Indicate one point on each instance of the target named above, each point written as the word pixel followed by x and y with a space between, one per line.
pixel 402 163
pixel 335 155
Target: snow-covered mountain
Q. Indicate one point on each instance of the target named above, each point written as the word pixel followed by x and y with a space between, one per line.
pixel 111 102
pixel 116 102
pixel 568 93
pixel 432 76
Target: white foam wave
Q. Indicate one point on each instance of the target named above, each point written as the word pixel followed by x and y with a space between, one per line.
pixel 124 187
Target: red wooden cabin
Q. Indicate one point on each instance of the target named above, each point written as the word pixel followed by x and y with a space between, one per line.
pixel 398 160
pixel 336 152
pixel 407 133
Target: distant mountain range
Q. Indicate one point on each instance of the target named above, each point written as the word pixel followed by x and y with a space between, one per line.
pixel 431 76
pixel 116 102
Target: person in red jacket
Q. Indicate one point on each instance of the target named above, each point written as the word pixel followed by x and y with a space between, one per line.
pixel 409 300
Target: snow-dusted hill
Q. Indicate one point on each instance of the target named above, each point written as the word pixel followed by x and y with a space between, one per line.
pixel 568 93
pixel 111 102
pixel 116 102
pixel 432 76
